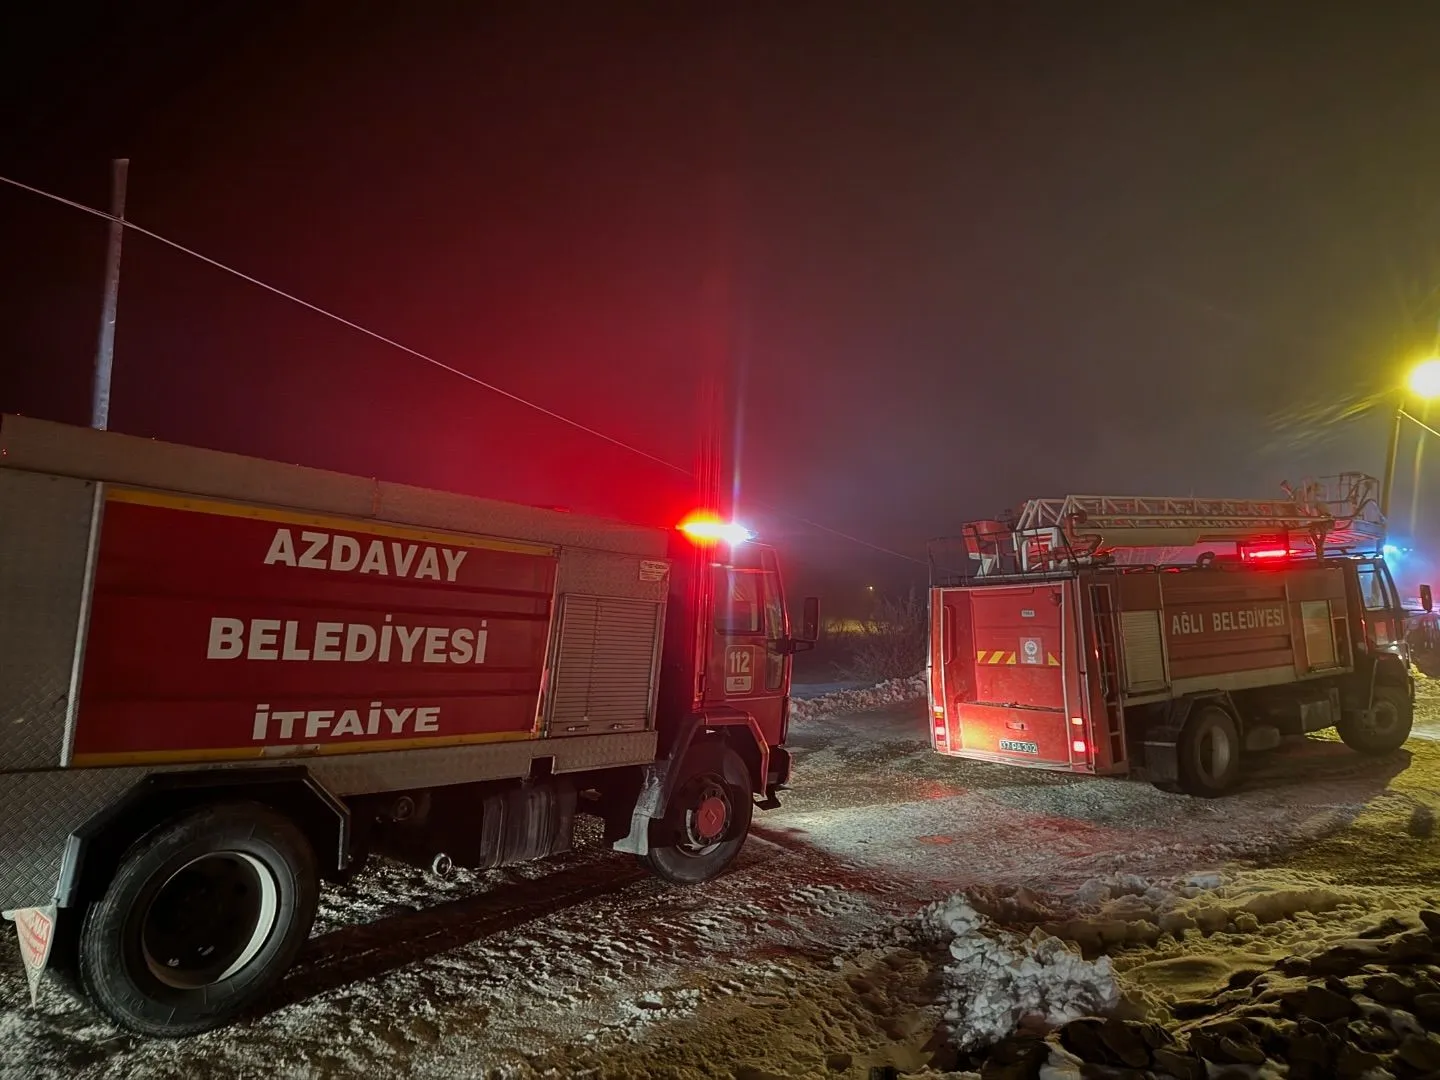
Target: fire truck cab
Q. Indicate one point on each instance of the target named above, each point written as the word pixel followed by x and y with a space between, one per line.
pixel 1163 637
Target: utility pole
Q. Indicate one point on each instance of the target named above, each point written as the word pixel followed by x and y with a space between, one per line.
pixel 105 349
pixel 1388 483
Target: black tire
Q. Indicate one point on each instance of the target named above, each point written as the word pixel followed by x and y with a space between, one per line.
pixel 689 844
pixel 247 871
pixel 1209 753
pixel 1385 727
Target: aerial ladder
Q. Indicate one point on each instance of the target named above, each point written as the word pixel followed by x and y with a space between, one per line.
pixel 1335 515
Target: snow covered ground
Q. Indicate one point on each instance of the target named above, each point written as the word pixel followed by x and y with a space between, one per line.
pixel 835 699
pixel 898 906
pixel 810 690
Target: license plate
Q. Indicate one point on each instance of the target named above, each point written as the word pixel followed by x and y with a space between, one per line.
pixel 1016 746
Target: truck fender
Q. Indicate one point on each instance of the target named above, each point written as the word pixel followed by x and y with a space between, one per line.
pixel 659 778
pixel 1389 668
pixel 94 849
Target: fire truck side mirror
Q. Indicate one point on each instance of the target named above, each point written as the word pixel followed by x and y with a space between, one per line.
pixel 1427 598
pixel 810 620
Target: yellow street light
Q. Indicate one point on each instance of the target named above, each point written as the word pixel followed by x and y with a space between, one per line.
pixel 1423 383
pixel 1424 380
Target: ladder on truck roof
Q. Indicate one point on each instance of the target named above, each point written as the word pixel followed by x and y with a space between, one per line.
pixel 1335 514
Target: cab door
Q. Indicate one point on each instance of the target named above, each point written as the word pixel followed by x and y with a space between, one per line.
pixel 749 668
pixel 1384 615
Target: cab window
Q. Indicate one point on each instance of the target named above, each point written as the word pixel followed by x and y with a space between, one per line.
pixel 738 607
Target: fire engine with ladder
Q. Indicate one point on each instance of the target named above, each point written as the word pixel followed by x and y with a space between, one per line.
pixel 1162 637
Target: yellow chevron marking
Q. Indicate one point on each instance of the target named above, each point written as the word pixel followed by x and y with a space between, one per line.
pixel 1050 660
pixel 1009 658
pixel 997 656
pixel 980 656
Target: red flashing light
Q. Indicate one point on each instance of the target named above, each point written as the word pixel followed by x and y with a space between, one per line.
pixel 1270 553
pixel 708 529
pixel 1277 553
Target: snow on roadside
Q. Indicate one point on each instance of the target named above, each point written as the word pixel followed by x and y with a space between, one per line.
pixel 1125 944
pixel 858 699
pixel 996 980
pixel 1282 907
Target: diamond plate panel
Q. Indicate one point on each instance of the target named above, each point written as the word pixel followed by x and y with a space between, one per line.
pixel 59 449
pixel 604 573
pixel 400 770
pixel 601 751
pixel 41 810
pixel 487 517
pixel 44 539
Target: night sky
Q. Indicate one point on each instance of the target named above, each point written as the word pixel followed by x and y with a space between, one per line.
pixel 953 255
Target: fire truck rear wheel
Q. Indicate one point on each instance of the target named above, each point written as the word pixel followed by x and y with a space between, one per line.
pixel 706 821
pixel 205 914
pixel 1386 728
pixel 1209 753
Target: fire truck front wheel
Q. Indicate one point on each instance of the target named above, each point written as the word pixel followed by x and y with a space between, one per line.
pixel 204 915
pixel 706 819
pixel 1209 753
pixel 1385 727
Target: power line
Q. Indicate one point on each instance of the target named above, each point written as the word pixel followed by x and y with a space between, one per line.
pixel 846 536
pixel 348 323
pixel 417 354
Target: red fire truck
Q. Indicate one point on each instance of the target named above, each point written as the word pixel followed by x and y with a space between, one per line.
pixel 1163 636
pixel 225 679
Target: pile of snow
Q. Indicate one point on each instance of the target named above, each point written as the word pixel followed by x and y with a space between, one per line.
pixel 890 692
pixel 1200 966
pixel 1184 932
pixel 1126 909
pixel 997 979
pixel 1172 938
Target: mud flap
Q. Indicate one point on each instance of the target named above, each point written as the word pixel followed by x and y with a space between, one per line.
pixel 1162 743
pixel 35 927
pixel 1162 755
pixel 648 806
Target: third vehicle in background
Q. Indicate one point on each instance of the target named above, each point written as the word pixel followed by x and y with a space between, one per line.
pixel 1163 636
